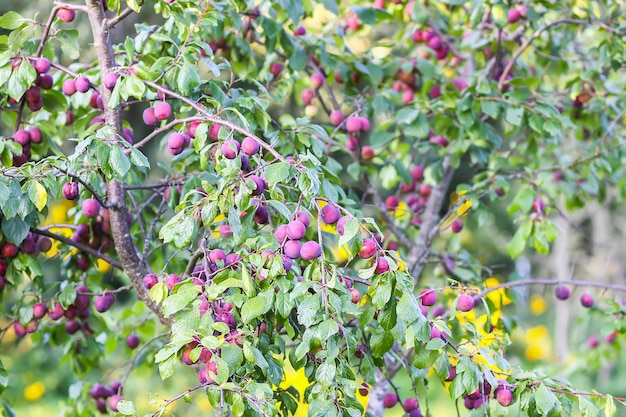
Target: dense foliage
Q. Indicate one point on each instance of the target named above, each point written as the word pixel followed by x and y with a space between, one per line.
pixel 286 183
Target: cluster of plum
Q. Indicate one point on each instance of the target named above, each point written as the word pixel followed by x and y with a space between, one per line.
pixel 32 245
pixel 289 236
pixel 103 395
pixel 562 293
pixel 502 394
pixel 195 352
pixel 411 405
pixel 33 99
pixel 97 234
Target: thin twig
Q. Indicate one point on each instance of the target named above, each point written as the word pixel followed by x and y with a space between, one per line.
pixel 77 245
pixel 419 251
pixel 208 116
pixel 46 31
pixel 538 33
pixel 117 19
pixel 162 129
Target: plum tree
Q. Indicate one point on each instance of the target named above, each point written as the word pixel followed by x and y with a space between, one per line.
pixel 272 183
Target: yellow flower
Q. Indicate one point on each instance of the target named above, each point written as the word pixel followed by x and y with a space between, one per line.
pixel 341 254
pixel 536 333
pixel 464 205
pixel 539 345
pixel 538 305
pixel 363 399
pixel 102 265
pixel 58 212
pixel 62 231
pixel 300 382
pixel 34 391
pixel 402 212
pixel 498 297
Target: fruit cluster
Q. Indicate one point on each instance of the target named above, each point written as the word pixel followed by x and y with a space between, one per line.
pixel 32 245
pixel 103 395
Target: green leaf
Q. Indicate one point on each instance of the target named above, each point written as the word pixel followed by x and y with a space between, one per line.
pixel 523 201
pixel 326 329
pixel 21 80
pixel 407 115
pixel 67 296
pixel 325 374
pixel 176 302
pixel 255 307
pixel 37 194
pixel 134 5
pixel 132 86
pixel 382 295
pixel 138 158
pixel 381 342
pixel 11 20
pixel 4 378
pixel 238 407
pixel 586 407
pixel 331 6
pixel 307 310
pixel 118 161
pixel 158 292
pixel 222 371
pixel 388 317
pixel 188 78
pixel 435 344
pixel 69 43
pixel 277 172
pixel 15 229
pixel 350 229
pixel 126 408
pixel 514 115
pixel 518 243
pixel 544 399
pixel 255 357
pixel 166 367
pixel 179 229
pixel 609 406
pixel 490 108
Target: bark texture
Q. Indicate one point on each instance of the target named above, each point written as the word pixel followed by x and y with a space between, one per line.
pixel 116 193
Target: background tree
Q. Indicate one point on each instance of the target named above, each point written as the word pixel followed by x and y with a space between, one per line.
pixel 252 187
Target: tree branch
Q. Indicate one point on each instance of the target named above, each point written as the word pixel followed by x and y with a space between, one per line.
pixel 46 31
pixel 77 245
pixel 160 130
pixel 419 251
pixel 538 33
pixel 390 221
pixel 78 179
pixel 120 229
pixel 208 116
pixel 548 281
pixel 117 19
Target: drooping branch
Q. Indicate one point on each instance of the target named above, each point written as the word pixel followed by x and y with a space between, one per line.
pixel 208 116
pixel 428 231
pixel 163 129
pixel 78 245
pixel 120 228
pixel 548 281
